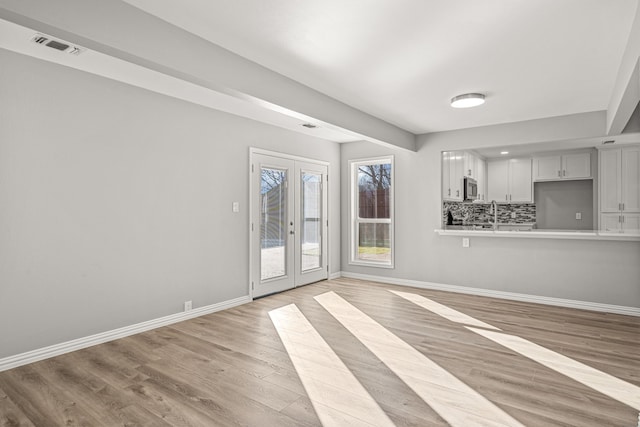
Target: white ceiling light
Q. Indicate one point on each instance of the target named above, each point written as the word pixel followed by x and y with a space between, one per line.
pixel 467 100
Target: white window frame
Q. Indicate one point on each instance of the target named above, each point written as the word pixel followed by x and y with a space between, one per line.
pixel 355 221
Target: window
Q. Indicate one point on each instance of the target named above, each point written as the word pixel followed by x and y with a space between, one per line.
pixel 372 212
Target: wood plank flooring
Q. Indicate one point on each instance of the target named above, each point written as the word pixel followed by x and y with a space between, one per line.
pixel 231 368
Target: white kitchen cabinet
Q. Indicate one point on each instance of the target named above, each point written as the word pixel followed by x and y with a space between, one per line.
pixel 576 166
pixel 547 168
pixel 498 180
pixel 520 183
pixel 562 167
pixel 509 181
pixel 623 223
pixel 620 189
pixel 470 165
pixel 630 180
pixel 481 178
pixel 452 175
pixel 620 180
pixel 610 180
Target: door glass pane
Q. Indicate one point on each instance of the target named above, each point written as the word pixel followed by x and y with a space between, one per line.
pixel 273 223
pixel 311 221
pixel 374 242
pixel 374 188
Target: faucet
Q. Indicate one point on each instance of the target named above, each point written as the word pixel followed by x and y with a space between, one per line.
pixel 494 210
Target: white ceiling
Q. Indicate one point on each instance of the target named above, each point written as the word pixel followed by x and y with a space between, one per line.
pixel 403 60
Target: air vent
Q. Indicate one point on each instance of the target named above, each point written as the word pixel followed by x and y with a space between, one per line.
pixel 610 141
pixel 39 38
pixel 56 44
pixel 309 125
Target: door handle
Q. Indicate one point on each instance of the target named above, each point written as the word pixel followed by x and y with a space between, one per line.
pixel 292 232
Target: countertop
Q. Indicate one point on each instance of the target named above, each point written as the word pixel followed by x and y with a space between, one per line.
pixel 541 234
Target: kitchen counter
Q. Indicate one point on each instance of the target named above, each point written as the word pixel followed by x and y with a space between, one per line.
pixel 502 226
pixel 540 234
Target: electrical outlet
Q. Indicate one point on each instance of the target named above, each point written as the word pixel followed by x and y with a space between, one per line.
pixel 188 305
pixel 465 242
pixel 235 207
pixel 513 215
pixel 578 215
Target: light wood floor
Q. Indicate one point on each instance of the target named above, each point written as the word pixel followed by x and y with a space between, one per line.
pixel 230 368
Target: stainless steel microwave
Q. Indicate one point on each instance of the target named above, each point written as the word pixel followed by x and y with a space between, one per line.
pixel 470 189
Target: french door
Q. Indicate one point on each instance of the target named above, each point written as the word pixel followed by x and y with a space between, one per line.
pixel 288 222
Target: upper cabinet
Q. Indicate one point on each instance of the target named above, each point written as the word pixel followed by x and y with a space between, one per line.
pixel 452 175
pixel 509 181
pixel 561 167
pixel 470 165
pixel 481 178
pixel 620 180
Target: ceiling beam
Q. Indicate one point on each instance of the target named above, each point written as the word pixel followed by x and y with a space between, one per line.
pixel 626 91
pixel 127 33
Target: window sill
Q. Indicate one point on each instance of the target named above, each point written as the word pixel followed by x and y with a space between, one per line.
pixel 371 264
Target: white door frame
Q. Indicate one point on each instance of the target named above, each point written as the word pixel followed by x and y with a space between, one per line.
pixel 254 261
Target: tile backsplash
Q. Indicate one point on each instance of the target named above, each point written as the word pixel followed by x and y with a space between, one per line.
pixel 476 212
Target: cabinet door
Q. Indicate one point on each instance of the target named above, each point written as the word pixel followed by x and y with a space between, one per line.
pixel 630 179
pixel 576 165
pixel 481 177
pixel 610 180
pixel 631 223
pixel 497 181
pixel 610 222
pixel 547 168
pixel 456 165
pixel 446 188
pixel 470 166
pixel 520 183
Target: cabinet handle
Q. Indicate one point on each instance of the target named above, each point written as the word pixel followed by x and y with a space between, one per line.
pixel 457 193
pixel 469 172
pixel 558 173
pixel 509 197
pixel 448 194
pixel 622 206
pixel 564 173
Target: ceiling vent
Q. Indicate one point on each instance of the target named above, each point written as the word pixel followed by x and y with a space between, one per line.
pixel 309 125
pixel 610 141
pixel 56 44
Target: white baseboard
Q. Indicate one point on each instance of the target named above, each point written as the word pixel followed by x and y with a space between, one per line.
pixel 333 276
pixel 80 343
pixel 584 305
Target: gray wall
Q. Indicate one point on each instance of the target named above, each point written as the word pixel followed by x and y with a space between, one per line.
pixel 115 203
pixel 557 203
pixel 605 272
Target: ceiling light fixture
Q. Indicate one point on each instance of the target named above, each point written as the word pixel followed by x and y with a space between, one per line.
pixel 467 100
pixel 504 152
